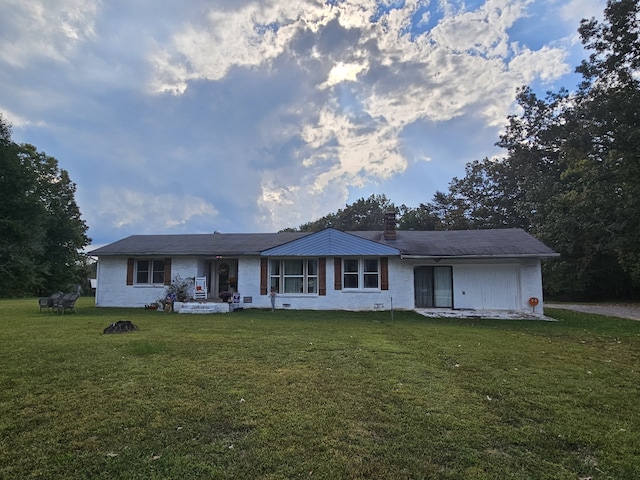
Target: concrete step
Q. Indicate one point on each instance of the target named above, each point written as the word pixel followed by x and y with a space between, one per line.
pixel 200 307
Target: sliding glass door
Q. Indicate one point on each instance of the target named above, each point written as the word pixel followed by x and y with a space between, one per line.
pixel 433 287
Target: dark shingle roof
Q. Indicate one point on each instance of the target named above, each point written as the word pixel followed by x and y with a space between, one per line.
pixel 454 243
pixel 512 242
pixel 197 244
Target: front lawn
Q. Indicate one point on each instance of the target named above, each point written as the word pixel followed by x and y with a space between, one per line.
pixel 262 395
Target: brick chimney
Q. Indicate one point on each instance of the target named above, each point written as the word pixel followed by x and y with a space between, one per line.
pixel 390 225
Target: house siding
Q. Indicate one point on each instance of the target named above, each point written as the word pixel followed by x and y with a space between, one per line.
pixel 492 284
pixel 249 285
pixel 488 284
pixel 113 290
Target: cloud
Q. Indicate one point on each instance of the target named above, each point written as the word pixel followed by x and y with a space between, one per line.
pixel 586 8
pixel 266 114
pixel 344 72
pixel 251 36
pixel 126 207
pixel 18 121
pixel 547 64
pixel 43 29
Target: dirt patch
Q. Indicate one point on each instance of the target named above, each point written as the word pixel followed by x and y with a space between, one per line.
pixel 620 310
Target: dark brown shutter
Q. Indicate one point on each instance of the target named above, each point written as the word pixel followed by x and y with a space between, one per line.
pixel 322 276
pixel 130 265
pixel 167 271
pixel 384 273
pixel 264 275
pixel 337 273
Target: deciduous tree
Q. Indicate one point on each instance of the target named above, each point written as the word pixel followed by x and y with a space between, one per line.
pixel 41 229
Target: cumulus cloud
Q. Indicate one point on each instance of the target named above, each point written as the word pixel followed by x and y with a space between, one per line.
pixel 546 64
pixel 250 36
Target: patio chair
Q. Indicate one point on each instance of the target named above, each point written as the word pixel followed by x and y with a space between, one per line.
pixel 200 289
pixel 67 302
pixel 50 301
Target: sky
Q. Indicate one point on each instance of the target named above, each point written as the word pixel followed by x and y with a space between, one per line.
pixel 194 116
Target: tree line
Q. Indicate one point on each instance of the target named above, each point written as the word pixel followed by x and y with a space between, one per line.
pixel 41 229
pixel 570 174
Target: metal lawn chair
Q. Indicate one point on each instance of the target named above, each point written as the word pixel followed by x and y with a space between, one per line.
pixel 50 301
pixel 67 302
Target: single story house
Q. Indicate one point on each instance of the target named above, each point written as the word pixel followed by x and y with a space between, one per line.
pixel 332 270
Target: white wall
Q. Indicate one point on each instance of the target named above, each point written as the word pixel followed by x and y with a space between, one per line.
pixel 113 290
pixel 531 285
pixel 249 285
pixel 501 284
pixel 495 285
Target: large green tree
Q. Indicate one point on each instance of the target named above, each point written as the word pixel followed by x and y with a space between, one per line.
pixel 609 97
pixel 363 214
pixel 41 229
pixel 368 214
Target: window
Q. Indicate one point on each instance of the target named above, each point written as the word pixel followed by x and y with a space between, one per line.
pixel 150 272
pixel 142 271
pixel 351 274
pixel 370 273
pixel 294 275
pixel 361 273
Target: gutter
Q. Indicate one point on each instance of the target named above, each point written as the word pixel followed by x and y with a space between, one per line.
pixel 471 257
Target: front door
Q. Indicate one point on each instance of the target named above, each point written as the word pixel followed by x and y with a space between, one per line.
pixel 433 287
pixel 225 277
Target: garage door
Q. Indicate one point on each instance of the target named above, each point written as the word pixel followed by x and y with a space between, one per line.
pixel 487 287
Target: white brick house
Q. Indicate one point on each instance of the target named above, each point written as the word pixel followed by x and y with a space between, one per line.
pixel 333 270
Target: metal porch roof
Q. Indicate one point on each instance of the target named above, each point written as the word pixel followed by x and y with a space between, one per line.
pixel 329 243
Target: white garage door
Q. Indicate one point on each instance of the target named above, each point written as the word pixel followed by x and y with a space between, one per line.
pixel 487 287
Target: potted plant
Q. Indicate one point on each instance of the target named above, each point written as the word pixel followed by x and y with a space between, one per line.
pixel 179 289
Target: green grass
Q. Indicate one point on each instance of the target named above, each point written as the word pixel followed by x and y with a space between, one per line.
pixel 262 395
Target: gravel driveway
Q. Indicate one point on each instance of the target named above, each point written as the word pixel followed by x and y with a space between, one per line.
pixel 621 310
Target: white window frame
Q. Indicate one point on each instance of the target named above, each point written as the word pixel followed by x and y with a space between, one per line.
pixel 278 275
pixel 153 265
pixel 361 274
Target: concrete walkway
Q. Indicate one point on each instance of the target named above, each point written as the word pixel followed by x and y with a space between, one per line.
pixel 488 314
